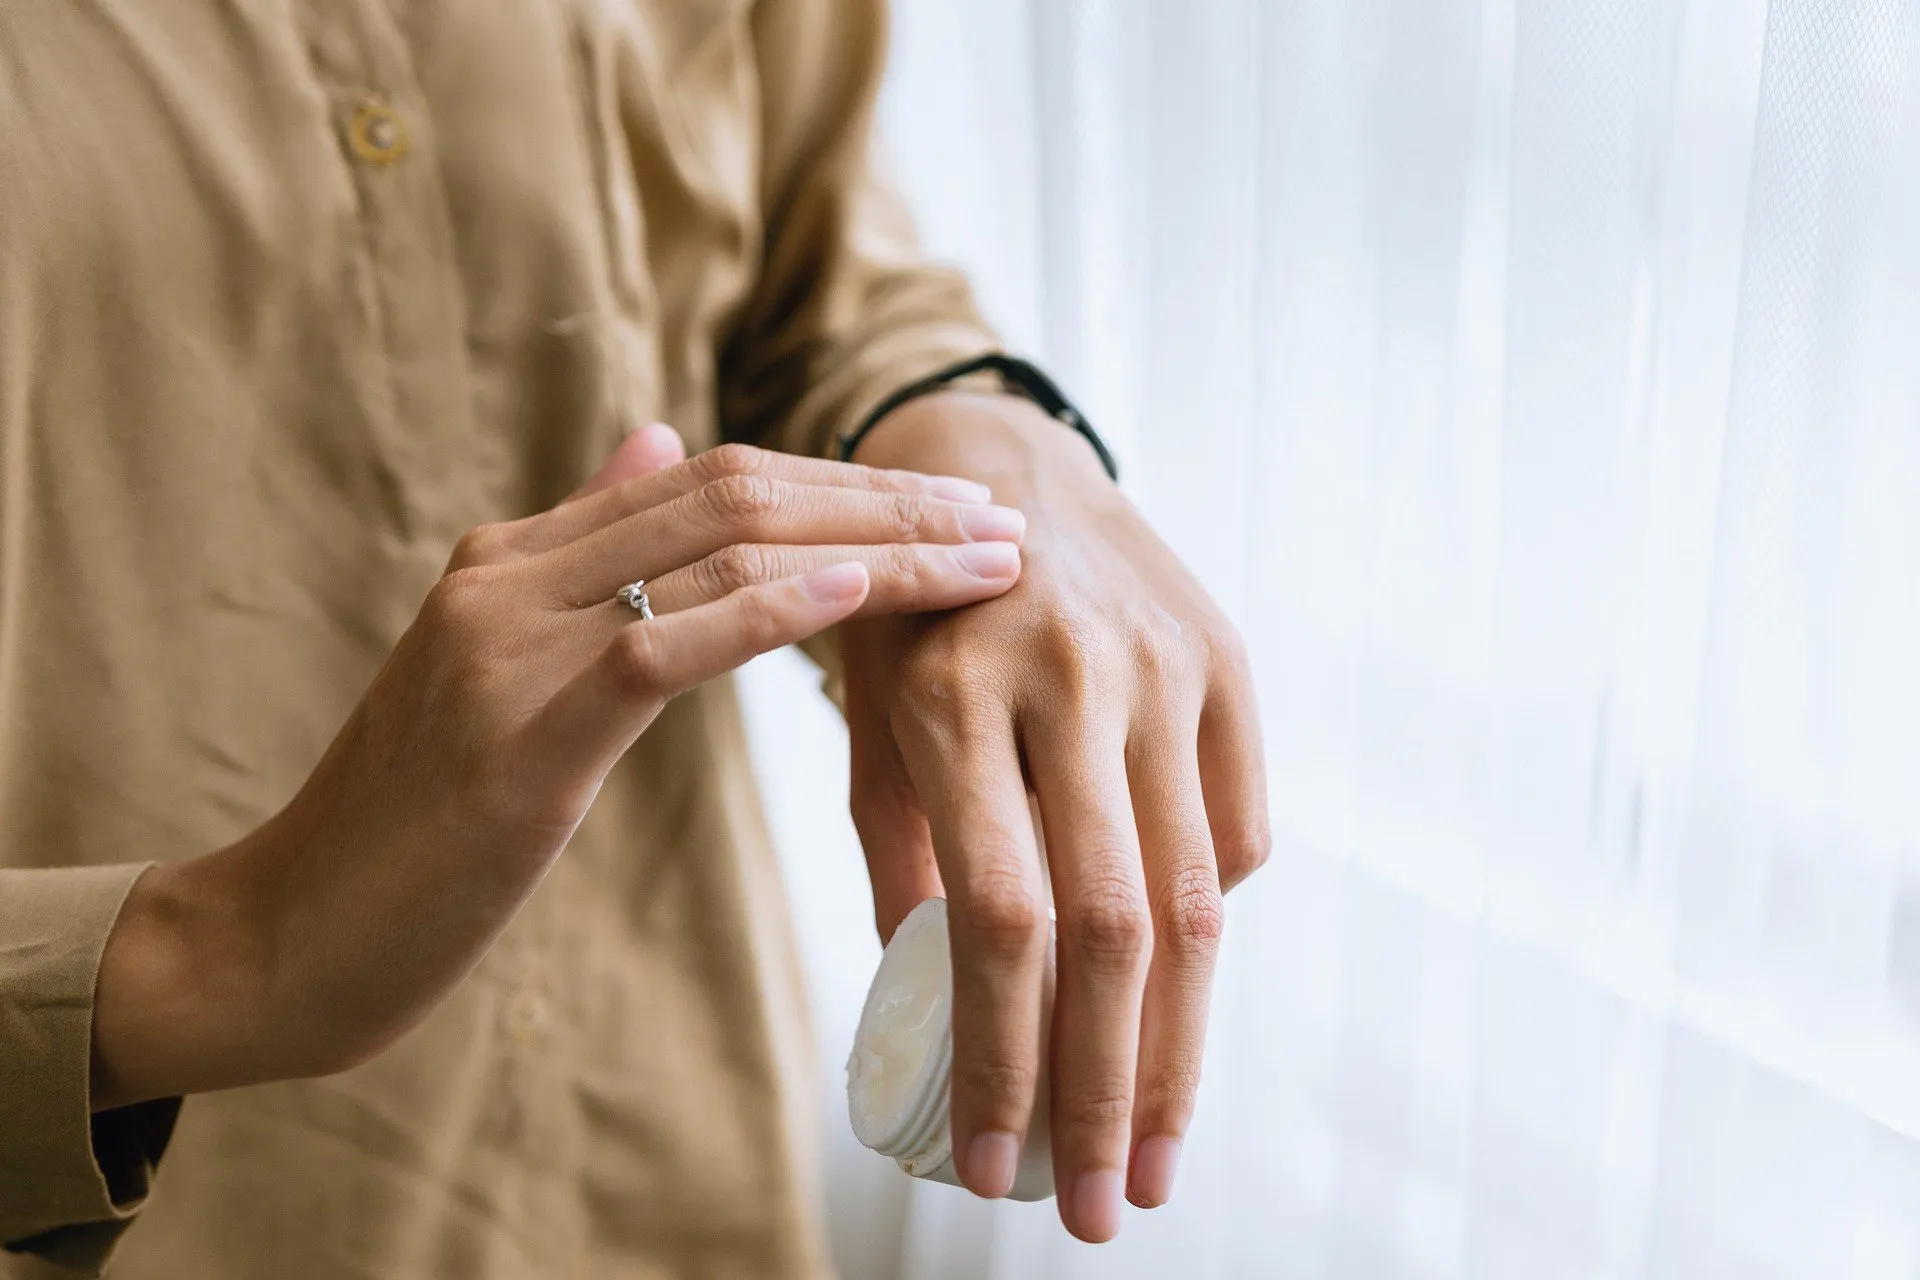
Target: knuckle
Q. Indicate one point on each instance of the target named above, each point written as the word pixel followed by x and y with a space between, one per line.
pixel 1001 916
pixel 1229 651
pixel 462 599
pixel 732 459
pixel 903 569
pixel 936 686
pixel 483 544
pixel 742 502
pixel 1102 1104
pixel 907 517
pixel 996 1081
pixel 762 619
pixel 1244 851
pixel 1168 1090
pixel 1192 917
pixel 1082 661
pixel 1108 928
pixel 1163 648
pixel 928 662
pixel 634 656
pixel 736 565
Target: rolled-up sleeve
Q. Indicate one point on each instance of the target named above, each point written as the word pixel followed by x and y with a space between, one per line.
pixel 845 310
pixel 70 1181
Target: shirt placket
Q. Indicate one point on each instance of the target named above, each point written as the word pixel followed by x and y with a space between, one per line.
pixel 427 429
pixel 420 405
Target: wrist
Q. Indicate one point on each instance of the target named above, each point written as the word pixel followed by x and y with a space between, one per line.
pixel 1005 441
pixel 178 1005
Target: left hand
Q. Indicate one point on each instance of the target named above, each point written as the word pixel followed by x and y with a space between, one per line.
pixel 316 940
pixel 1110 685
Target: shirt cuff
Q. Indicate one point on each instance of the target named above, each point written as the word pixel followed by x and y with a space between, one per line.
pixel 70 1181
pixel 863 380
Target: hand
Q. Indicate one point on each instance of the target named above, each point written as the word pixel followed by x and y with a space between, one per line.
pixel 320 938
pixel 1110 685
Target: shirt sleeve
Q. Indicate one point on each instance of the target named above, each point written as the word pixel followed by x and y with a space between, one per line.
pixel 70 1181
pixel 845 310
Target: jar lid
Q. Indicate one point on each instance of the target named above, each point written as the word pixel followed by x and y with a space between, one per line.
pixel 897 1074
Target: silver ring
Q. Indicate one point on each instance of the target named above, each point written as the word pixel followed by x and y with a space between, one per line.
pixel 634 595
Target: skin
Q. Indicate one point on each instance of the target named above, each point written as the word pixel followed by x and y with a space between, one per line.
pixel 1109 687
pixel 314 942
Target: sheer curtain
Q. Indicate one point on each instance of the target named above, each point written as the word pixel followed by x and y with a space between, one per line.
pixel 1537 383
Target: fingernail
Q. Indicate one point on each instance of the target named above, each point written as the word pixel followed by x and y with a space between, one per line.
pixel 954 489
pixel 659 431
pixel 993 524
pixel 835 583
pixel 1154 1163
pixel 1096 1205
pixel 993 1158
pixel 988 559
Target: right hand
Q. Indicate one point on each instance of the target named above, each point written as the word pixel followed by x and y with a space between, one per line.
pixel 320 938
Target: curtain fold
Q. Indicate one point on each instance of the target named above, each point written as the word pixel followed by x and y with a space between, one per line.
pixel 1535 383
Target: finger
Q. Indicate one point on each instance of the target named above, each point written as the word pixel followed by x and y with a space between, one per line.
pixel 1233 772
pixel 886 810
pixel 602 504
pixel 595 716
pixel 756 509
pixel 907 577
pixel 651 448
pixel 965 768
pixel 1183 890
pixel 1106 935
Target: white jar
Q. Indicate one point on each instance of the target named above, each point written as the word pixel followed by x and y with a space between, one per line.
pixel 899 1076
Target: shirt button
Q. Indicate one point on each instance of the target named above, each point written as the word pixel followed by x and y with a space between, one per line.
pixel 377 135
pixel 527 1017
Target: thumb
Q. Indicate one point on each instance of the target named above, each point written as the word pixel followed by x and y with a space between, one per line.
pixel 886 809
pixel 654 447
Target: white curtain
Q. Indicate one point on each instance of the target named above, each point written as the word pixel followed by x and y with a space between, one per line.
pixel 1537 383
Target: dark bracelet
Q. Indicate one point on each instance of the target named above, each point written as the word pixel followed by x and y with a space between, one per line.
pixel 1017 376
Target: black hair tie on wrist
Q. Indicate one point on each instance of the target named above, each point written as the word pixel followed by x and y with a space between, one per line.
pixel 1016 375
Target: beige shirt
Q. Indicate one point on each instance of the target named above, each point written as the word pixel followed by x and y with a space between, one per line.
pixel 292 292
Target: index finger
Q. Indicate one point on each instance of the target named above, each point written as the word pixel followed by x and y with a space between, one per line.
pixel 590 512
pixel 966 771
